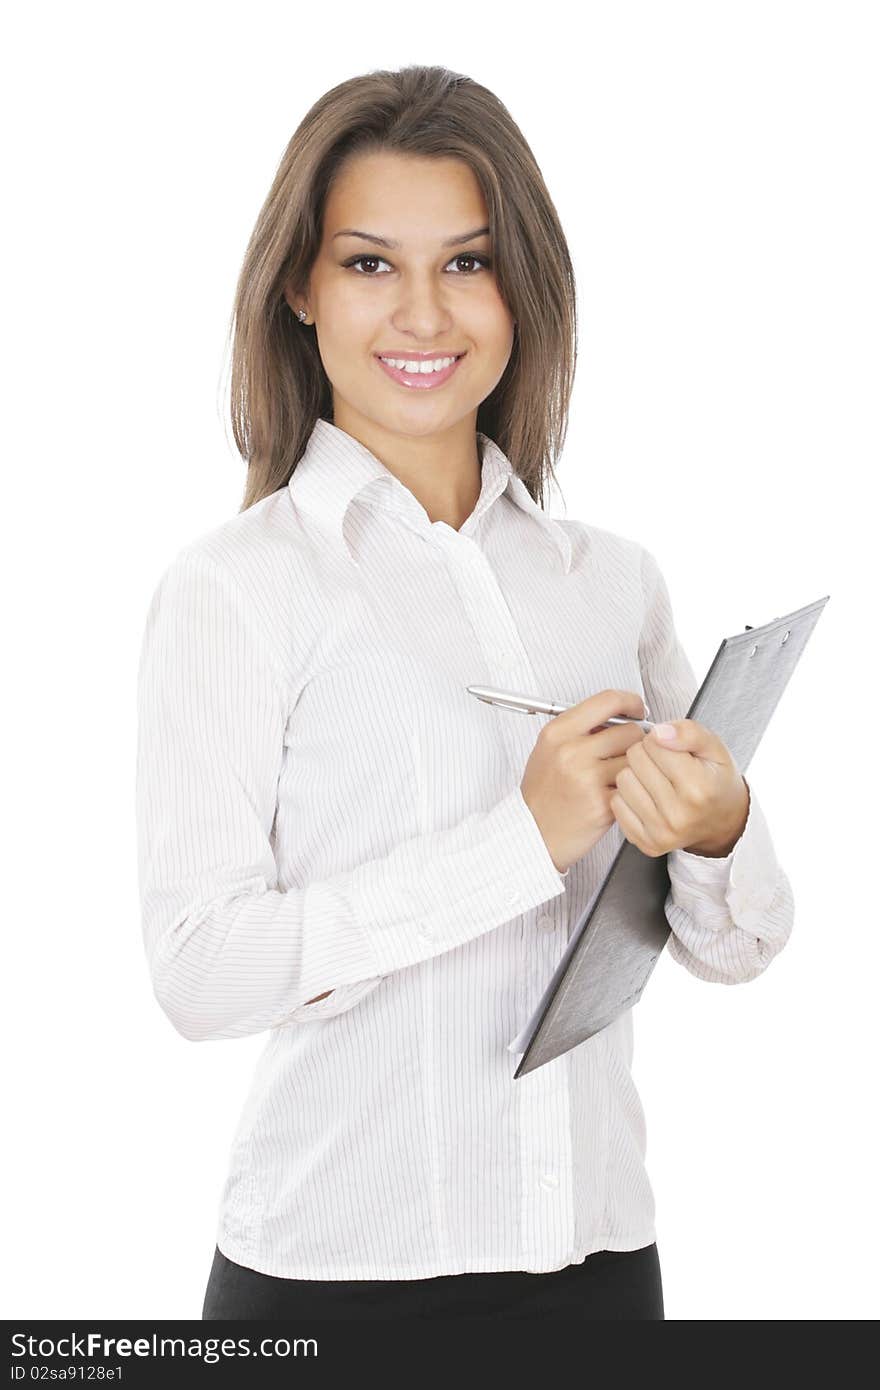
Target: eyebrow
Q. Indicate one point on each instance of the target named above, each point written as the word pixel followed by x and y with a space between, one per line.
pixel 395 245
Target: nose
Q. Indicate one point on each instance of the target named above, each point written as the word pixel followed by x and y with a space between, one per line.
pixel 421 311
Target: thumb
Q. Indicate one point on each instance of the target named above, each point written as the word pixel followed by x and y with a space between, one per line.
pixel 690 736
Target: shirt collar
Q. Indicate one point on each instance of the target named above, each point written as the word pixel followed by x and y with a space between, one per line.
pixel 335 468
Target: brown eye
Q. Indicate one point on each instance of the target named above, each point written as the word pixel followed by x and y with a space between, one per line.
pixel 471 256
pixel 356 260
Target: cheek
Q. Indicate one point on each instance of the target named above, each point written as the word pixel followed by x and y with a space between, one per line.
pixel 345 351
pixel 497 321
pixel 492 331
pixel 347 317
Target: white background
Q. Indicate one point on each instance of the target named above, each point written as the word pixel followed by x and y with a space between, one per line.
pixel 714 166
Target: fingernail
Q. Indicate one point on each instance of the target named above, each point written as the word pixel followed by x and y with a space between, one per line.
pixel 665 731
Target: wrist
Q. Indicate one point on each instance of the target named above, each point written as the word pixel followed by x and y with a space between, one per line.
pixel 720 847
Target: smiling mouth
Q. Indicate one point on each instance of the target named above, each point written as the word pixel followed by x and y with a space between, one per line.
pixel 420 373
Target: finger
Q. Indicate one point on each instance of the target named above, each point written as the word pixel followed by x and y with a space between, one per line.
pixel 689 737
pixel 685 773
pixel 611 768
pixel 587 714
pixel 639 802
pixel 615 739
pixel 629 822
pixel 663 775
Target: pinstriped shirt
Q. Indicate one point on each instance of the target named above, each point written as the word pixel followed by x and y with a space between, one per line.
pixel 322 806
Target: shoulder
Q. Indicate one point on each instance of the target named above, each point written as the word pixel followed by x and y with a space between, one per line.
pixel 603 547
pixel 265 555
pixel 624 574
pixel 257 564
pixel 247 549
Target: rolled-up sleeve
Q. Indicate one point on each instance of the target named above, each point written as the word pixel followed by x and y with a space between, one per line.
pixel 229 953
pixel 728 916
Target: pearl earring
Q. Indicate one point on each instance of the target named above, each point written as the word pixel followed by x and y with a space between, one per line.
pixel 301 314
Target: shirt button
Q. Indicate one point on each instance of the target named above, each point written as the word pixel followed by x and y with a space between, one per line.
pixel 548 1181
pixel 545 921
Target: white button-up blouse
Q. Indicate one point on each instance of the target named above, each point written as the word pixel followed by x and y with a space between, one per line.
pixel 321 805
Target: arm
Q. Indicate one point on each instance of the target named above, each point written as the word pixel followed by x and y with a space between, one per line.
pixel 229 953
pixel 729 916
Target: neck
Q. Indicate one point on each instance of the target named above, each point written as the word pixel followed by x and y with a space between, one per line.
pixel 443 471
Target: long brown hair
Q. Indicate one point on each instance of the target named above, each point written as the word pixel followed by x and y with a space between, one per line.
pixel 278 384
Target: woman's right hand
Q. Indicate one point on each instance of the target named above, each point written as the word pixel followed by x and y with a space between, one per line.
pixel 571 773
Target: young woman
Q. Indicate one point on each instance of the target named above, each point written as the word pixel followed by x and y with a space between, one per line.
pixel 338 844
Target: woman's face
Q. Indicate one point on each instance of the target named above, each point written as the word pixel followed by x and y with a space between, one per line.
pixel 415 297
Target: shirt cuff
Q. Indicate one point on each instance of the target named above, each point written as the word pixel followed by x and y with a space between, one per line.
pixel 744 880
pixel 479 882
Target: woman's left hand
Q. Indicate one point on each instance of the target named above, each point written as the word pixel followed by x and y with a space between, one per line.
pixel 685 793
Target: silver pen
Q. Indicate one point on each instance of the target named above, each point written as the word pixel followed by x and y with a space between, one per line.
pixel 531 704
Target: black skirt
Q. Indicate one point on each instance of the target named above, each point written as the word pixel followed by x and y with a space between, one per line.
pixel 607 1284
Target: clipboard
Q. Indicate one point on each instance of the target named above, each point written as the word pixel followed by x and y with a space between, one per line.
pixel 615 944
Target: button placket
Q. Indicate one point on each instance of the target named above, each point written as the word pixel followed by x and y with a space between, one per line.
pixel 547 1194
pixel 497 635
pixel 542 1096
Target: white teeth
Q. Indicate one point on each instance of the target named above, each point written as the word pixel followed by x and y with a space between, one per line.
pixel 404 364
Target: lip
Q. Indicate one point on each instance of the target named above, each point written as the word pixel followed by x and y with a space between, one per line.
pixel 420 381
